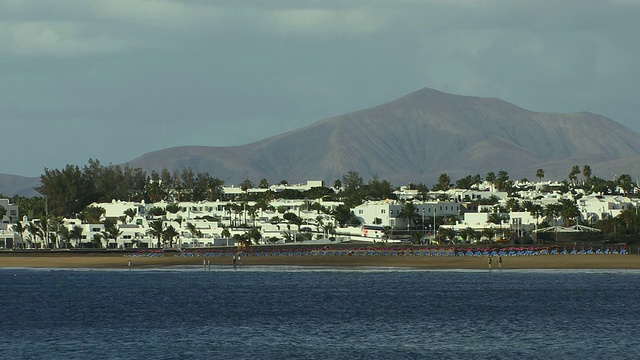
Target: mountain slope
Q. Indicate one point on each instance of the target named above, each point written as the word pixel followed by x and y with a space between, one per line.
pixel 13 184
pixel 417 137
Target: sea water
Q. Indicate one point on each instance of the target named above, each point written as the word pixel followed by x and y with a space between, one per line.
pixel 318 313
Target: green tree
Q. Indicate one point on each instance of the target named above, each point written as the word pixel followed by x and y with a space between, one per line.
pixel 409 212
pixel 76 234
pixel 491 177
pixel 512 204
pixel 130 213
pixel 568 211
pixel 246 184
pixel 64 234
pixel 626 183
pixel 20 229
pixel 467 182
pixel 586 172
pixel 112 231
pixel 255 235
pixel 540 174
pixel 172 208
pixel 352 181
pixel 169 234
pixel 489 233
pixel 264 184
pixel 195 233
pixel 342 214
pixel 444 183
pixel 502 181
pixel 575 170
pixel 423 191
pixel 35 232
pixel 293 219
pixel 379 189
pixel 155 230
pixel 157 211
pixel 91 214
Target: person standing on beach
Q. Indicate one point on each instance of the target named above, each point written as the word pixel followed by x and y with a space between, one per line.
pixel 500 261
pixel 489 261
pixel 129 264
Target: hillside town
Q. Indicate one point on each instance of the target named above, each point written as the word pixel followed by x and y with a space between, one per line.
pixel 529 212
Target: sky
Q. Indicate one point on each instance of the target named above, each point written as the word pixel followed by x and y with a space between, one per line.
pixel 114 79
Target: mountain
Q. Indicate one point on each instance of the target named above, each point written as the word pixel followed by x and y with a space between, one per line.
pixel 416 138
pixel 413 139
pixel 13 184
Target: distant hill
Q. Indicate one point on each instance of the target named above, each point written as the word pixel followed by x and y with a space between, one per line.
pixel 413 139
pixel 416 138
pixel 13 184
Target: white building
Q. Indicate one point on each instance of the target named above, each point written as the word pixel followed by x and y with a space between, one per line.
pixel 389 212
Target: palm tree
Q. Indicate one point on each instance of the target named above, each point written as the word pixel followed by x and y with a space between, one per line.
pixel 446 233
pixel 551 211
pixel 489 233
pixel 63 230
pixel 20 229
pixel 575 170
pixel 195 233
pixel 568 210
pixel 253 212
pixel 76 234
pixel 155 230
pixel 168 234
pixel 35 231
pixel 540 174
pixel 626 183
pixel 130 213
pixel 536 210
pixel 512 204
pixel 254 234
pixel 409 212
pixel 111 231
pixel 495 218
pixel 586 172
pixel 97 240
pixel 469 234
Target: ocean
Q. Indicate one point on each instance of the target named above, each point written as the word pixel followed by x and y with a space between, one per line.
pixel 318 313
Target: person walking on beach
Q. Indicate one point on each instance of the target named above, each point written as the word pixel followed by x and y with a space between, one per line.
pixel 500 261
pixel 489 261
pixel 129 265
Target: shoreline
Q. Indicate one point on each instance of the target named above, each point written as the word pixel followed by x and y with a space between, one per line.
pixel 579 261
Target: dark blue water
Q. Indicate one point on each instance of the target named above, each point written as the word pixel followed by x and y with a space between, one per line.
pixel 296 313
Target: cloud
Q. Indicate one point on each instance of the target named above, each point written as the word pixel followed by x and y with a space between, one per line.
pixel 56 39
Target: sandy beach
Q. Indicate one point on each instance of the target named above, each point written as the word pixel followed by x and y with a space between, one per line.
pixel 424 262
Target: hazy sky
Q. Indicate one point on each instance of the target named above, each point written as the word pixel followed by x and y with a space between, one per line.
pixel 114 79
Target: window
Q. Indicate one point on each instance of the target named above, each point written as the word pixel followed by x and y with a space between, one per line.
pixel 383 211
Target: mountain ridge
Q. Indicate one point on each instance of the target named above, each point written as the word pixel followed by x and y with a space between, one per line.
pixel 417 137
